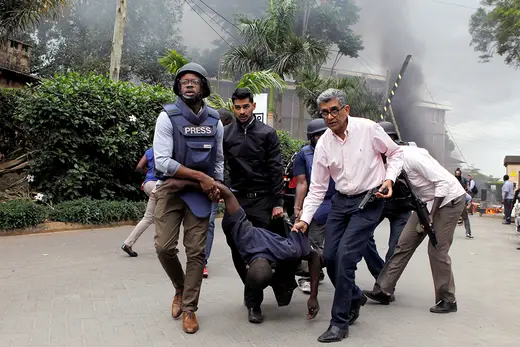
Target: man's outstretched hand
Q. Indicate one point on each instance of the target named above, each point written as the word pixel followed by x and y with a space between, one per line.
pixel 313 307
pixel 207 184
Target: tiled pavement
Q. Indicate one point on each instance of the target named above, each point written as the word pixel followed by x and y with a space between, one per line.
pixel 80 289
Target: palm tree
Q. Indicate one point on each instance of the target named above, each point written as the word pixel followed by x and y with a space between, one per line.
pixel 257 81
pixel 362 101
pixel 20 15
pixel 272 43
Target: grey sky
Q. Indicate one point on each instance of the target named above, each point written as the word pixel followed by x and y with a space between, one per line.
pixel 485 97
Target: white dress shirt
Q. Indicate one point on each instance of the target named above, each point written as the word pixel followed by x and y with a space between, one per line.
pixel 355 164
pixel 428 178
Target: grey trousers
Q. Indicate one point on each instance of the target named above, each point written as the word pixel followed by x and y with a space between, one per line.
pixel 444 223
pixel 316 238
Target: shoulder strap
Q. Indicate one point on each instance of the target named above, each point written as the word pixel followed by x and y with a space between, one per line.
pixel 172 110
pixel 213 113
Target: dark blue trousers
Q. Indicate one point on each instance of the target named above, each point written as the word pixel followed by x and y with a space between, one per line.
pixel 397 222
pixel 347 234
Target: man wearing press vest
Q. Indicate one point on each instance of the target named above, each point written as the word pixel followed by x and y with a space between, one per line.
pixel 349 152
pixel 187 145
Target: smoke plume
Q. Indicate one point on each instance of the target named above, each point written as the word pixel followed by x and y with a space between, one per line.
pixel 387 25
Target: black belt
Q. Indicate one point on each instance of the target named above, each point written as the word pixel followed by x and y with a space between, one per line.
pixel 355 196
pixel 251 195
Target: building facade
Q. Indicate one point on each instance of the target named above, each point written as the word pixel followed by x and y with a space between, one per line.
pixel 14 64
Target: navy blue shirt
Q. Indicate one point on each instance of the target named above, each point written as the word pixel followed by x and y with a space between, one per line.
pixel 301 167
pixel 255 242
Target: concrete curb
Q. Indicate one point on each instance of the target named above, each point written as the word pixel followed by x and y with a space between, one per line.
pixel 51 227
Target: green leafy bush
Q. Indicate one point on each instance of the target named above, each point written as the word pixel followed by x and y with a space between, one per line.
pixel 87 211
pixel 91 132
pixel 17 214
pixel 13 136
pixel 288 145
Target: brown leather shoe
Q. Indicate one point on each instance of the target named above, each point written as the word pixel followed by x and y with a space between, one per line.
pixel 176 305
pixel 189 322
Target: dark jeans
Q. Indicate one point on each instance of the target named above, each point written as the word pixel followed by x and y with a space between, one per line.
pixel 508 208
pixel 374 262
pixel 211 231
pixel 259 213
pixel 346 238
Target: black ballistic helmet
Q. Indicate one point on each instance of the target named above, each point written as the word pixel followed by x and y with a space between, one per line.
pixel 195 69
pixel 316 126
pixel 388 127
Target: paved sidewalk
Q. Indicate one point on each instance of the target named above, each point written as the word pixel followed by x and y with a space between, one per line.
pixel 80 289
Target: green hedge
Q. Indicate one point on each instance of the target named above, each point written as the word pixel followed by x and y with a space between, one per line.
pixel 288 145
pixel 18 214
pixel 87 211
pixel 90 132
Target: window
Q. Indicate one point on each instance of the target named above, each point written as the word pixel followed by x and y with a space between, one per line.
pixel 25 48
pixel 14 44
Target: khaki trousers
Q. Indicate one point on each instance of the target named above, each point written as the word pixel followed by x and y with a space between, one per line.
pixel 444 223
pixel 170 212
pixel 148 215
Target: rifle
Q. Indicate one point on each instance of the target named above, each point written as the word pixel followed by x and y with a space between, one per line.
pixel 422 212
pixel 371 196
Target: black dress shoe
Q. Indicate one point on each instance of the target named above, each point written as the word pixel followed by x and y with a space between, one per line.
pixel 255 316
pixel 129 250
pixel 380 297
pixel 355 306
pixel 444 307
pixel 333 334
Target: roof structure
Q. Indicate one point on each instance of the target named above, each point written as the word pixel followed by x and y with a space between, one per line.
pixel 511 159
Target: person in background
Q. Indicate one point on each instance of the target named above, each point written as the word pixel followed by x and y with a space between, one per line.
pixel 397 210
pixel 465 217
pixel 148 187
pixel 226 117
pixel 507 199
pixel 302 169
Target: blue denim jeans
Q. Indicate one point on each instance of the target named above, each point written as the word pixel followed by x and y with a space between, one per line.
pixel 374 262
pixel 211 231
pixel 347 234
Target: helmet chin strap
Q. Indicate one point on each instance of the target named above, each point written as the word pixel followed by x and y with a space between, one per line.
pixel 190 100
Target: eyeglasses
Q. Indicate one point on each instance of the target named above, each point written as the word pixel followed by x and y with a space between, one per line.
pixel 333 112
pixel 194 82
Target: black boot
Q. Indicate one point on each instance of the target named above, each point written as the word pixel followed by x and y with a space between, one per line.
pixel 333 334
pixel 444 307
pixel 380 297
pixel 355 306
pixel 254 315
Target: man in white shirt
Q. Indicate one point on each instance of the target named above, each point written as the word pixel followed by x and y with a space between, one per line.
pixel 349 152
pixel 430 182
pixel 507 198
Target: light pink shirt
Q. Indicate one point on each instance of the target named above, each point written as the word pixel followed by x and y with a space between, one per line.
pixel 355 164
pixel 428 178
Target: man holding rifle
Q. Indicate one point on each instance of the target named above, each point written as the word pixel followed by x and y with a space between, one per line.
pixel 429 181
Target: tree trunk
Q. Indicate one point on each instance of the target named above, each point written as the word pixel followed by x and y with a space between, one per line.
pixel 278 111
pixel 301 120
pixel 117 41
